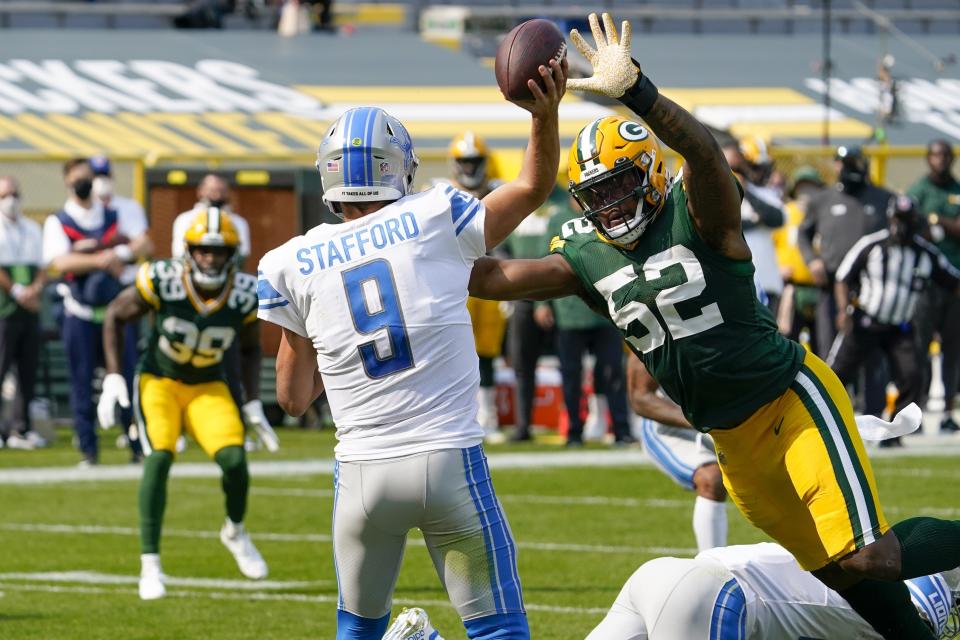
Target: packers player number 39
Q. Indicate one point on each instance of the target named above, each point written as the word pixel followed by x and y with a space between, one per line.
pixel 190 334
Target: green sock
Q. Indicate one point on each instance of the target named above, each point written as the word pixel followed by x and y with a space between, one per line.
pixel 153 499
pixel 927 545
pixel 236 480
pixel 888 609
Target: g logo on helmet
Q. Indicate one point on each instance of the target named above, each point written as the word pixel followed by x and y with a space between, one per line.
pixel 632 131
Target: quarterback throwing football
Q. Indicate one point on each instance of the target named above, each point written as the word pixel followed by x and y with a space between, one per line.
pixel 200 305
pixel 665 259
pixel 374 312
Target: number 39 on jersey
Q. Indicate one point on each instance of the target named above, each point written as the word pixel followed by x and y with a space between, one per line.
pixel 190 334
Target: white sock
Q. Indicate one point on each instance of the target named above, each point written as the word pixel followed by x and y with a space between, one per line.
pixel 595 426
pixel 709 523
pixel 487 415
pixel 150 562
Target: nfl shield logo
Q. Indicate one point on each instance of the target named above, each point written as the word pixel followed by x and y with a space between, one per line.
pixel 333 166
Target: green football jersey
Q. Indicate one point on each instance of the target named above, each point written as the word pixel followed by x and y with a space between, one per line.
pixel 690 314
pixel 189 335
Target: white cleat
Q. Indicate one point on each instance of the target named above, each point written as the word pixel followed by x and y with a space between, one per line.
pixel 151 577
pixel 412 624
pixel 236 539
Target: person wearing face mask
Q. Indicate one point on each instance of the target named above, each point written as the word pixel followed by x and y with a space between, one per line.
pixel 836 219
pixel 21 285
pixel 89 244
pixel 214 191
pixel 798 304
pixel 938 193
pixel 873 315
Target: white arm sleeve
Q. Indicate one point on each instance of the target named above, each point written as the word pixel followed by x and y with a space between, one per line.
pixel 243 230
pixel 176 236
pixel 55 240
pixel 276 302
pixel 132 220
pixel 467 215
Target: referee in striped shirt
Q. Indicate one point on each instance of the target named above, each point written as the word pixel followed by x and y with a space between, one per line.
pixel 878 285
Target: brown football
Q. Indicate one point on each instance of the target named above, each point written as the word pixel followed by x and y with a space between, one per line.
pixel 529 45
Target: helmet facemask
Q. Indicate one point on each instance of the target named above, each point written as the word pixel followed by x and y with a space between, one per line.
pixel 471 171
pixel 621 202
pixel 215 276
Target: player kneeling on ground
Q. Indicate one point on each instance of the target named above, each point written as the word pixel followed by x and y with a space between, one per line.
pixel 751 591
pixel 200 304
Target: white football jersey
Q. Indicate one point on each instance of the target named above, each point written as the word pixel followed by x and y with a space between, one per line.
pixel 783 600
pixel 383 299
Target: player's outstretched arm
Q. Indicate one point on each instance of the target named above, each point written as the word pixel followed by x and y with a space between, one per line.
pixel 508 205
pixel 712 194
pixel 644 399
pixel 298 379
pixel 542 279
pixel 126 307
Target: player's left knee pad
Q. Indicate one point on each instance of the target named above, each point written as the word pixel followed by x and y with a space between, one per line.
pixel 232 460
pixel 500 626
pixel 353 627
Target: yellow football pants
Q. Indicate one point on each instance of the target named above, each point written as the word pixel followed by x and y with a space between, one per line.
pixel 489 326
pixel 797 470
pixel 164 406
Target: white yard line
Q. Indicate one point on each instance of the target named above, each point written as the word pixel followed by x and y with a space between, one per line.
pixel 68 529
pixel 257 595
pixel 919 446
pixel 95 577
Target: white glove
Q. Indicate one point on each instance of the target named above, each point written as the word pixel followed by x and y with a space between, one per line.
pixel 613 69
pixel 254 416
pixel 114 392
pixel 905 422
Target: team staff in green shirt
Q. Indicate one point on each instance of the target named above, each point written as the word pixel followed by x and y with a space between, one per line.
pixel 938 193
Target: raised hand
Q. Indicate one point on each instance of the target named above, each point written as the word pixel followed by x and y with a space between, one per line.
pixel 613 69
pixel 545 103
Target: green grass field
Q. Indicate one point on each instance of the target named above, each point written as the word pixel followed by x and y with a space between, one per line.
pixel 581 532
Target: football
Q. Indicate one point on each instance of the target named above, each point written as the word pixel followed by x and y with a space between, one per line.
pixel 529 45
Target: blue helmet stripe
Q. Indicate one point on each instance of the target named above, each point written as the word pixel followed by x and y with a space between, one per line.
pixel 357 171
pixel 367 142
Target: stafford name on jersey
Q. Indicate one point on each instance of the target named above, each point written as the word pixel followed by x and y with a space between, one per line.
pixel 358 244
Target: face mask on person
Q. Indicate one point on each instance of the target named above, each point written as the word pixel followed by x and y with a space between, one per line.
pixel 10 207
pixel 102 187
pixel 82 187
pixel 219 202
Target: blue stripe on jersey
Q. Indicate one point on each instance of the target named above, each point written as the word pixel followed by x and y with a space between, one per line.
pixel 273 305
pixel 267 293
pixel 336 494
pixel 485 528
pixel 729 618
pixel 468 217
pixel 505 552
pixel 663 457
pixel 434 635
pixel 459 203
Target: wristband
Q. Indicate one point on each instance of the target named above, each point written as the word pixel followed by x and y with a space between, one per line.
pixel 124 252
pixel 17 290
pixel 640 97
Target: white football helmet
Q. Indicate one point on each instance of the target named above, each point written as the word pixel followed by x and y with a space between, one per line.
pixel 366 156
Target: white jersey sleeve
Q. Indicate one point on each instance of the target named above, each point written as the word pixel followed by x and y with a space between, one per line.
pixel 274 295
pixel 383 300
pixel 468 217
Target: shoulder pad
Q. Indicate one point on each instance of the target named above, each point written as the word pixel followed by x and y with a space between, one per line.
pixel 167 279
